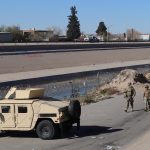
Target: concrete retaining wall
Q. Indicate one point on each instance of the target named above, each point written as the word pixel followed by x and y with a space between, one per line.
pixel 67 77
pixel 62 47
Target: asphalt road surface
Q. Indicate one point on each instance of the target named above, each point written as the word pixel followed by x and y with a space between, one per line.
pixel 103 125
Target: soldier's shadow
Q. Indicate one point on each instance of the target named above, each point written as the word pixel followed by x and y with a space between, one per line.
pixel 94 130
pixel 138 110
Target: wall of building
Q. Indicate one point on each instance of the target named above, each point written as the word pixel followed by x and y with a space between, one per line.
pixel 6 37
pixel 145 37
pixel 38 35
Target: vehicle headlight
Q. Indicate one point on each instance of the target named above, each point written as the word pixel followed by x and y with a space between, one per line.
pixel 61 114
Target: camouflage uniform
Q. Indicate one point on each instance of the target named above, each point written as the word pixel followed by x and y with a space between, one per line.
pixel 146 97
pixel 129 95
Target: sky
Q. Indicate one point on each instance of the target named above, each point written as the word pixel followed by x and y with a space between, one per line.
pixel 118 15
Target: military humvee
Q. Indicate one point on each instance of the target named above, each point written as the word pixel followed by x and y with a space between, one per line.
pixel 26 110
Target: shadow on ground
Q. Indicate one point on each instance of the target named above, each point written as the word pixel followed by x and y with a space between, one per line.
pixel 94 130
pixel 19 134
pixel 84 131
pixel 138 110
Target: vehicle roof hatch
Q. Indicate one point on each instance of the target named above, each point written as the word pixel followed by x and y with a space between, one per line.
pixel 10 92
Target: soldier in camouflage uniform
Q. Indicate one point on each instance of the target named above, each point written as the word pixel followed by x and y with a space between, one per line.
pixel 129 96
pixel 146 97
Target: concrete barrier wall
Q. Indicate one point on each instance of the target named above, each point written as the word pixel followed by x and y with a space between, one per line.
pixel 64 46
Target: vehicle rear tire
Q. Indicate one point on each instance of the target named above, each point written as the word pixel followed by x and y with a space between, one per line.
pixel 46 130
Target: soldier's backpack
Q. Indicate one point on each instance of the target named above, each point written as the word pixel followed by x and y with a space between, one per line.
pixel 130 92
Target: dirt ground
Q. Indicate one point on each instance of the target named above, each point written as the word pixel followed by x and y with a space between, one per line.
pixel 28 62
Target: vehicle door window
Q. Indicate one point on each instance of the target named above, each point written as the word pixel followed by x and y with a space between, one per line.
pixel 5 109
pixel 22 109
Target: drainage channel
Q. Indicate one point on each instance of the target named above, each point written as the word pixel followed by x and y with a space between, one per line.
pixel 63 89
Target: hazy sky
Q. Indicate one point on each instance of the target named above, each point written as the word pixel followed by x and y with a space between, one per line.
pixel 117 14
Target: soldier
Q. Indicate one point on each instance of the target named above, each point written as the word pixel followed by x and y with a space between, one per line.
pixel 146 97
pixel 129 95
pixel 75 111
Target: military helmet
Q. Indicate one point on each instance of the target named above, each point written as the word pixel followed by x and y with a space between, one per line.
pixel 146 86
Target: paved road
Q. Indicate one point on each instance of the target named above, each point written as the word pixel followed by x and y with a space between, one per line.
pixel 103 124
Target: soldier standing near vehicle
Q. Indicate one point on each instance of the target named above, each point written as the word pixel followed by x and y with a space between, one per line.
pixel 129 96
pixel 75 111
pixel 146 97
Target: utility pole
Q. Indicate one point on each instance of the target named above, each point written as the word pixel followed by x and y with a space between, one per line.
pixel 98 79
pixel 132 33
pixel 72 90
pixel 108 33
pixel 85 86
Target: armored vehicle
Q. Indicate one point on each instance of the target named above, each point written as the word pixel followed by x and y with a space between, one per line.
pixel 26 110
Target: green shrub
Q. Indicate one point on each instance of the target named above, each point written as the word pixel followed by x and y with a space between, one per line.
pixel 109 91
pixel 86 99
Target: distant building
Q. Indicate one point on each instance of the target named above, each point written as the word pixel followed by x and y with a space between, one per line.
pixel 38 35
pixel 145 37
pixel 6 37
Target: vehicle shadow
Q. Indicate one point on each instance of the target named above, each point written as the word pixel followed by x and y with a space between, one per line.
pixel 93 130
pixel 84 131
pixel 17 134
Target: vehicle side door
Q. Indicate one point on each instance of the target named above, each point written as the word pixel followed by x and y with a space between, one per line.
pixel 24 115
pixel 7 116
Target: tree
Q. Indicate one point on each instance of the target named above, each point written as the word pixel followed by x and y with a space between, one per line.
pixel 73 28
pixel 102 30
pixel 55 33
pixel 2 28
pixel 133 34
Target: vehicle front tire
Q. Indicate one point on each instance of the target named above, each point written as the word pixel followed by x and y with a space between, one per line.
pixel 46 130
